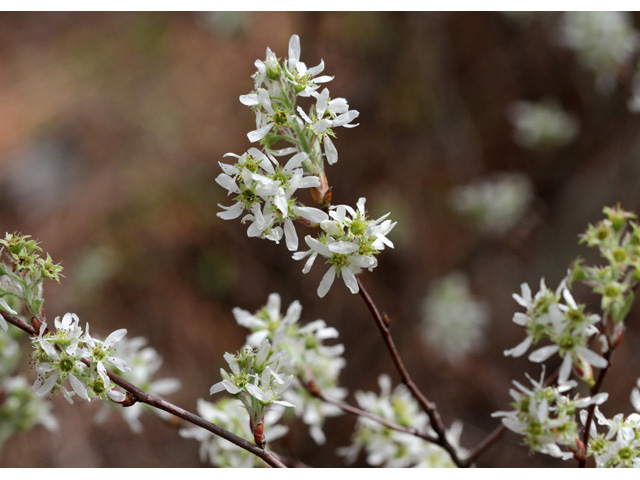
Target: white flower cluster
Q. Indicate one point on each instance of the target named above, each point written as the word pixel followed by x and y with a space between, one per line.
pixel 453 319
pixel 542 125
pixel 391 448
pixel 255 380
pixel 620 445
pixel 564 324
pixel 545 414
pixel 61 356
pixel 231 416
pixel 20 408
pixel 307 356
pixel 349 243
pixel 603 42
pixel 144 363
pixel 265 191
pixel 494 203
pixel 546 417
pixel 22 275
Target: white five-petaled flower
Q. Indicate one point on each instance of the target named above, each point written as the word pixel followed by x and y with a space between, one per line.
pixel 350 243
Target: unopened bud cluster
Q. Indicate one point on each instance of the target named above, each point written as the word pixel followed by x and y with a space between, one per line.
pixel 22 270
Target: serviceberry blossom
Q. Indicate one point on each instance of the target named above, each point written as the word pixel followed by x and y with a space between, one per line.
pixel 280 121
pixel 265 191
pixel 349 243
pixel 264 186
pixel 566 325
pixel 308 357
pixel 230 415
pixel 21 409
pixel 542 125
pixel 495 203
pixel 61 356
pixel 391 448
pixel 144 363
pixel 546 416
pixel 620 445
pixel 453 320
pixel 255 380
pixel 603 42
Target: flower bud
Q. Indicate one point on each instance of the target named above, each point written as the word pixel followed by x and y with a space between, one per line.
pixel 272 64
pixel 322 193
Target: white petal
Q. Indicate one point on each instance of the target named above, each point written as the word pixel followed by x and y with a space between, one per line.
pixel 591 357
pixel 343 247
pixel 290 235
pixel 350 280
pixel 565 369
pixel 228 183
pixel 256 392
pixel 116 395
pixel 314 215
pixel 78 387
pixel 5 306
pixel 115 337
pixel 519 349
pixel 260 133
pixel 321 126
pixel 326 282
pixel 294 50
pixel 250 100
pixel 543 353
pixel 330 150
pixel 232 212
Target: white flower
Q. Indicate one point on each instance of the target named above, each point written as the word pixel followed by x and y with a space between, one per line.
pixel 454 320
pixel 495 203
pixel 391 448
pixel 545 416
pixel 542 125
pixel 350 244
pixel 603 41
pixel 231 416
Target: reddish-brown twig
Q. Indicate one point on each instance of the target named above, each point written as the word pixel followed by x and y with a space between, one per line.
pixel 312 388
pixel 428 407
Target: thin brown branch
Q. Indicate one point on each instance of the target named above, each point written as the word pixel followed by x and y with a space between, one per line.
pixel 312 388
pixel 428 407
pixel 140 395
pixel 483 446
pixel 582 462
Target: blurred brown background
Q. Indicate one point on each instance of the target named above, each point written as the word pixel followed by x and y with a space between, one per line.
pixel 111 127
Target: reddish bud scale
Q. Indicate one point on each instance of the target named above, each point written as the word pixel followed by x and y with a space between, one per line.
pixel 258 433
pixel 322 193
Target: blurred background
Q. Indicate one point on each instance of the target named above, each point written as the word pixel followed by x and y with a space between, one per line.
pixel 493 139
